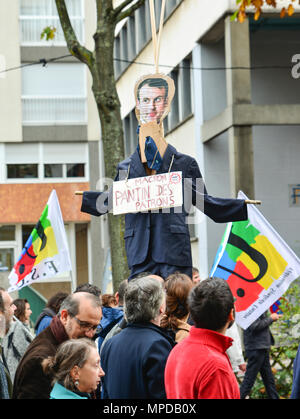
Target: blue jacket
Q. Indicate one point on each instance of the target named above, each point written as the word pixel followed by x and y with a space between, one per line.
pixel 134 362
pixel 60 392
pixel 110 317
pixel 146 231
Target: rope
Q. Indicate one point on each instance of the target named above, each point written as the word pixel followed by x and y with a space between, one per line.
pixel 156 39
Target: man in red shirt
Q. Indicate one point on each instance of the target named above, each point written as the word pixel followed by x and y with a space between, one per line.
pixel 198 366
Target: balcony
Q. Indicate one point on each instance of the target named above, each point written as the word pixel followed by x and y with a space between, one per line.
pixel 54 110
pixel 31 28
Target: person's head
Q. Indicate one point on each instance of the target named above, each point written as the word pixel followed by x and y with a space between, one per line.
pixel 76 365
pixel 92 289
pixel 195 275
pixel 211 305
pixel 55 301
pixel 152 99
pixel 109 300
pixel 144 301
pixel 178 287
pixel 151 275
pixel 23 310
pixel 7 309
pixel 80 314
pixel 121 292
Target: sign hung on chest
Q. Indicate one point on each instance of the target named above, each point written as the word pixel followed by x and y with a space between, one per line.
pixel 147 193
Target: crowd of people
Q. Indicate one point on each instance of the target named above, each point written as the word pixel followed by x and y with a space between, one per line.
pixel 155 338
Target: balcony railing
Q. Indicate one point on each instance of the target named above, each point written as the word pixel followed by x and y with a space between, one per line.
pixel 54 110
pixel 32 26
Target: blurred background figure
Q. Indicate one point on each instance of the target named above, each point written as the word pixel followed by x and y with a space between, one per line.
pixel 196 277
pixel 23 311
pixel 111 315
pixel 51 309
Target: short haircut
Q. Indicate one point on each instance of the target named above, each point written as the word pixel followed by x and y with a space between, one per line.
pixel 143 298
pixel 92 289
pixel 154 82
pixel 210 303
pixel 71 302
pixel 55 301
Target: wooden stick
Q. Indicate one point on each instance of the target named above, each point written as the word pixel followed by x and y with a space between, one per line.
pixel 78 192
pixel 252 202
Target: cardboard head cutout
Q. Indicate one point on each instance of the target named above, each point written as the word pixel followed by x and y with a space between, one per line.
pixel 153 96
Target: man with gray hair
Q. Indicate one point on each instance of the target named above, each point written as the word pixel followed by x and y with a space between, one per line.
pixel 79 316
pixel 134 360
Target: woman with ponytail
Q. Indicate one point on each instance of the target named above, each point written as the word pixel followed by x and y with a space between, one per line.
pixel 75 369
pixel 177 286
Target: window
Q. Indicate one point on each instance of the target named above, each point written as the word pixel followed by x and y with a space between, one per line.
pixel 32 162
pixel 26 231
pixel 130 124
pixel 136 33
pixel 6 259
pixel 53 170
pixel 75 170
pixel 55 94
pixel 7 233
pixel 35 15
pixel 17 171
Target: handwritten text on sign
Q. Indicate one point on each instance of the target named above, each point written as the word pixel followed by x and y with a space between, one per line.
pixel 147 193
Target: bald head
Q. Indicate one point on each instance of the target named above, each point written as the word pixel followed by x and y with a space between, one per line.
pixel 158 278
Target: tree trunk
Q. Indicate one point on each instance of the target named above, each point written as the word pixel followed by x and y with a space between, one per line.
pixel 108 104
pixel 101 65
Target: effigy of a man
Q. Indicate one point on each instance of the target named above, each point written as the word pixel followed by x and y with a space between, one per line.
pixel 159 241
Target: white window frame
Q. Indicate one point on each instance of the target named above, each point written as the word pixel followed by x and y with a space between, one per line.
pixel 41 163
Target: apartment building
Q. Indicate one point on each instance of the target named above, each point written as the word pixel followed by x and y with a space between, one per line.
pixel 236 108
pixel 49 139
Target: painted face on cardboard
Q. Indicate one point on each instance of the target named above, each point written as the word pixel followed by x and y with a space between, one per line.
pixel 151 103
pixel 153 95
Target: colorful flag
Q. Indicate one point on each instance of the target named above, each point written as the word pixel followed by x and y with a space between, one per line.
pixel 257 263
pixel 46 252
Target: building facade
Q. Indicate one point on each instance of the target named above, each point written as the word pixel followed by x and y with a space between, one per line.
pixel 49 139
pixel 236 108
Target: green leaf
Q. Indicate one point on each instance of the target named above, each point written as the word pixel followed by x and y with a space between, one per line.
pixel 234 16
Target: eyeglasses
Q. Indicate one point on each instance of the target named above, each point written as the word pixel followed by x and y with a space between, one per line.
pixel 85 325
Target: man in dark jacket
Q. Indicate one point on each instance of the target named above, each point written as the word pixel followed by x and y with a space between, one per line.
pixel 134 360
pixel 79 316
pixel 159 242
pixel 257 340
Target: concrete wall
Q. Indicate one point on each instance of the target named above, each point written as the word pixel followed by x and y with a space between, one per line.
pixel 10 82
pixel 276 148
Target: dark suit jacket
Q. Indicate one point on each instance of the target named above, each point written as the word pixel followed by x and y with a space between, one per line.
pixel 134 362
pixel 166 235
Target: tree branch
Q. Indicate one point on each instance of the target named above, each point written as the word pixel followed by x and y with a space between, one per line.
pixel 121 13
pixel 79 51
